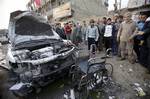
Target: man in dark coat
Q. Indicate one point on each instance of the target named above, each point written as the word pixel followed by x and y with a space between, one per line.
pixel 60 31
pixel 146 34
pixel 148 40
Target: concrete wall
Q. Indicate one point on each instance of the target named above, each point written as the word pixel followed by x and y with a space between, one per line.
pixel 88 8
pixel 82 9
pixel 135 3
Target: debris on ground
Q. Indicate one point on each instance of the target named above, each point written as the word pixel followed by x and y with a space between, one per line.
pixel 130 70
pixel 118 88
pixel 111 97
pixel 138 90
pixel 121 65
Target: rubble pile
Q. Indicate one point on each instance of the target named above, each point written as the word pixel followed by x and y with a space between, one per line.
pixel 112 90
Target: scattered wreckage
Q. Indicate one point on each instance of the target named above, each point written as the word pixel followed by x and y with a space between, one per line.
pixel 3 36
pixel 90 76
pixel 36 54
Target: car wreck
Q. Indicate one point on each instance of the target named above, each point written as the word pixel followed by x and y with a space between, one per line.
pixel 36 54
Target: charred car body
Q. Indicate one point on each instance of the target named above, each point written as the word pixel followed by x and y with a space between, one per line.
pixel 36 53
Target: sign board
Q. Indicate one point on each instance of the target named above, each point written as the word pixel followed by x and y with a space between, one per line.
pixel 62 11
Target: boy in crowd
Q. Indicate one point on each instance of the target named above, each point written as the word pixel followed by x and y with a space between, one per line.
pixel 109 30
pixel 92 34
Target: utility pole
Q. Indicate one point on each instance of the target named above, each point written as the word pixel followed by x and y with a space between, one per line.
pixel 115 6
pixel 120 3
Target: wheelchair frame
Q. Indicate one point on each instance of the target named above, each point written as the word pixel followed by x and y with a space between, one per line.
pixel 84 82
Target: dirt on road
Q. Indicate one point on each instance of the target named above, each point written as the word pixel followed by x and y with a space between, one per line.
pixel 126 80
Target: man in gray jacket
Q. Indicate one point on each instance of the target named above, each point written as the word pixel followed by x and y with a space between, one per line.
pixel 92 34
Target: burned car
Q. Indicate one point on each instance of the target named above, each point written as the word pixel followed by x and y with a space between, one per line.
pixel 36 54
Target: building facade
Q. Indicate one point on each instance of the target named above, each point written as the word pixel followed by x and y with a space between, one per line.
pixel 137 7
pixel 137 3
pixel 62 10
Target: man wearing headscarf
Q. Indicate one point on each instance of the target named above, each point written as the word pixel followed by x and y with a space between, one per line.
pixel 124 35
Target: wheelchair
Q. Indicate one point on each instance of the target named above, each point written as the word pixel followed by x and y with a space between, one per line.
pixel 92 78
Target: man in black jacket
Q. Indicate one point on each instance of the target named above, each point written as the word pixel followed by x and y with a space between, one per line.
pixel 60 31
pixel 109 36
pixel 146 34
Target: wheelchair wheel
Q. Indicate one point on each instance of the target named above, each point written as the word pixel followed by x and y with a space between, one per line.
pixel 94 82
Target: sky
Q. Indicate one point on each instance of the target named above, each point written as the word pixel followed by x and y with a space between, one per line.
pixel 7 6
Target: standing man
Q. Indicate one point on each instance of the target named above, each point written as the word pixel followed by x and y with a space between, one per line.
pixel 74 35
pixel 92 34
pixel 124 35
pixel 104 22
pixel 146 35
pixel 84 29
pixel 79 33
pixel 60 31
pixel 116 25
pixel 138 38
pixel 120 20
pixel 101 24
pixel 68 31
pixel 109 30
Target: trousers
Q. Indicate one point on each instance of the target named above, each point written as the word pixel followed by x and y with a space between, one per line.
pixel 127 51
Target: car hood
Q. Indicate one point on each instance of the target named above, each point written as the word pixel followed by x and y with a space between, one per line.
pixel 29 26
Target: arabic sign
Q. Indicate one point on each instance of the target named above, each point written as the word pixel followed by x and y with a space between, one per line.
pixel 62 11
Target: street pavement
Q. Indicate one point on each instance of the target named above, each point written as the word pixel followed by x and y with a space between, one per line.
pixel 122 84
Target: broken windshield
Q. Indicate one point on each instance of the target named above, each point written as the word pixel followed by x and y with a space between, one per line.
pixel 27 25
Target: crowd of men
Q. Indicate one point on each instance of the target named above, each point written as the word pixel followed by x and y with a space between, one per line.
pixel 128 39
